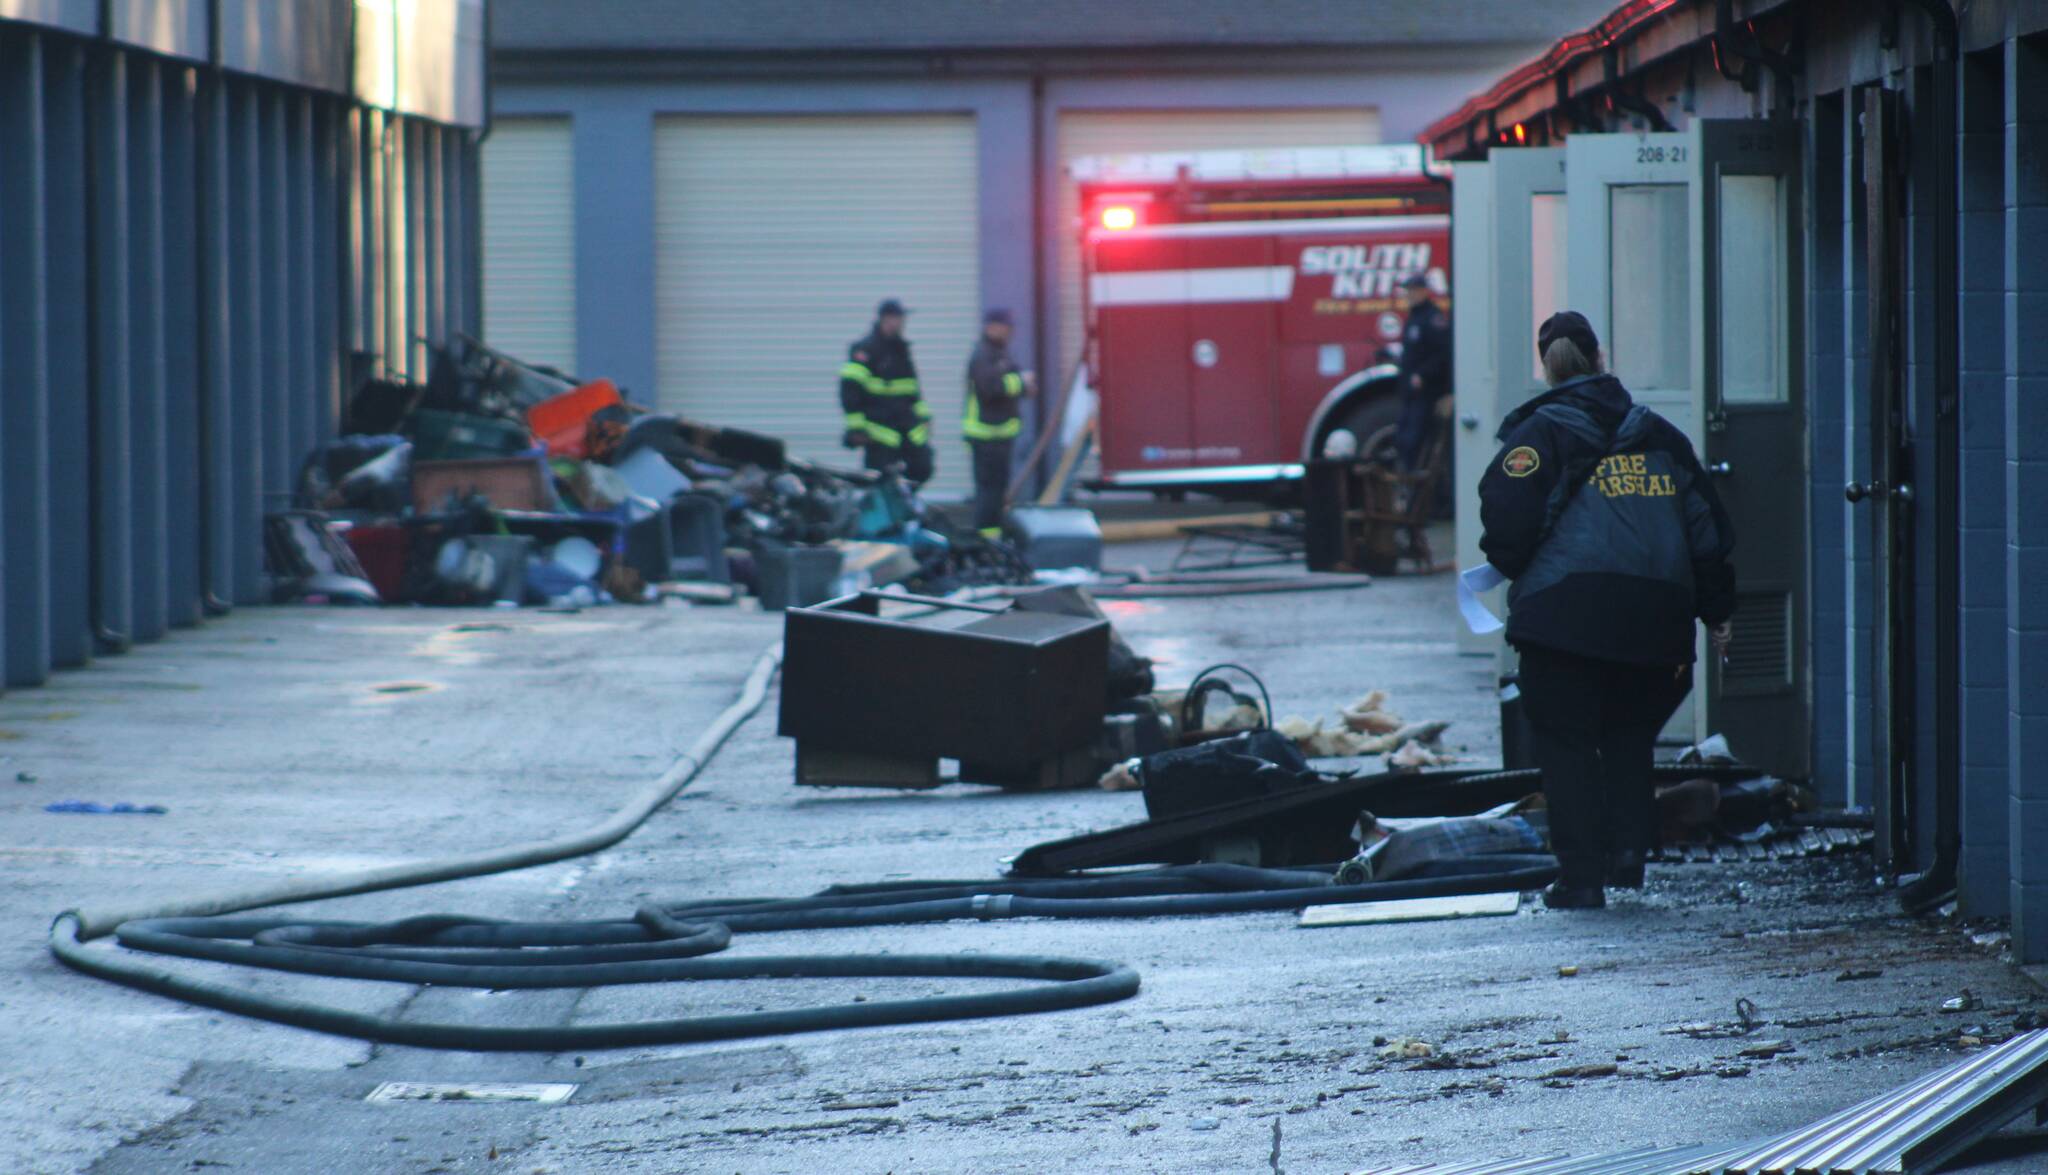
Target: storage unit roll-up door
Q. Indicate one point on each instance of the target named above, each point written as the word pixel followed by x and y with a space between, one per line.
pixel 1146 132
pixel 529 240
pixel 777 235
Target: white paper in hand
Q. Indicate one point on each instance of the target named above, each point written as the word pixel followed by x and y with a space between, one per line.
pixel 1471 582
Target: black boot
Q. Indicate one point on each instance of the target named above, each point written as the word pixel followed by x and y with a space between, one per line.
pixel 1574 897
pixel 1625 869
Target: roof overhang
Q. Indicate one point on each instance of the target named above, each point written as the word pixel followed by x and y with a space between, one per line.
pixel 1592 64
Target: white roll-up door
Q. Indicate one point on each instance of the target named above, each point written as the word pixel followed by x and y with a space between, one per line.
pixel 1145 132
pixel 775 237
pixel 529 240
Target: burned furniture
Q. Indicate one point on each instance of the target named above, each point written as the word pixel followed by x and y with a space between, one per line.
pixel 1300 825
pixel 877 688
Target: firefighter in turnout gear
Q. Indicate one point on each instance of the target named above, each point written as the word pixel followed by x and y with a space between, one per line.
pixel 886 415
pixel 994 388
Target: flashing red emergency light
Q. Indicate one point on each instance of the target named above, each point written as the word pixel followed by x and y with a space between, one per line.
pixel 1118 217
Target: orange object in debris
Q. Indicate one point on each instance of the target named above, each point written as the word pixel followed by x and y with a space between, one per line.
pixel 560 421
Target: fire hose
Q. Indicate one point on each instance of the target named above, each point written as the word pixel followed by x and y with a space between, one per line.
pixel 669 942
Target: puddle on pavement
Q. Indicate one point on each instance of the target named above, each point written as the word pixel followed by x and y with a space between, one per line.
pixel 469 642
pixel 385 691
pixel 1126 609
pixel 1167 650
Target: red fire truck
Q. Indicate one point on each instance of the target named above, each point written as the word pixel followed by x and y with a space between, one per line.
pixel 1243 305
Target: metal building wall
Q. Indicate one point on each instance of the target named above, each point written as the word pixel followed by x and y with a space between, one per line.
pixel 2025 210
pixel 1981 310
pixel 1829 389
pixel 191 259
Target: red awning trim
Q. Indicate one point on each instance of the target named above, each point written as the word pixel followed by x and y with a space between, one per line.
pixel 1612 30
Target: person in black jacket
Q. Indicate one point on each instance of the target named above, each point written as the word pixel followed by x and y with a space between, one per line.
pixel 995 387
pixel 1425 370
pixel 886 416
pixel 1598 511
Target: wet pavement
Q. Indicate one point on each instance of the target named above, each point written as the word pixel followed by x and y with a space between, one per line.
pixel 1723 1002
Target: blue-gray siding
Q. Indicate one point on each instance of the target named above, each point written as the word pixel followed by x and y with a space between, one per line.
pixel 184 269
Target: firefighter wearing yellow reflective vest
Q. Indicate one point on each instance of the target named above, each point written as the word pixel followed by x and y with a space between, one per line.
pixel 886 415
pixel 994 388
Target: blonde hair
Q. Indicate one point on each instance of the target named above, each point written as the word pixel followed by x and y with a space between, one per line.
pixel 1563 362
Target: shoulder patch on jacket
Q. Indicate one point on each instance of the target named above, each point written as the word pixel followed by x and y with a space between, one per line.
pixel 1521 461
pixel 860 356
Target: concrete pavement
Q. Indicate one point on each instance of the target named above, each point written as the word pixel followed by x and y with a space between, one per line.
pixel 279 744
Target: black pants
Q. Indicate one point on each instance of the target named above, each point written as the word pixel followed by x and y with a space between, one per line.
pixel 991 482
pixel 916 460
pixel 1595 725
pixel 1412 428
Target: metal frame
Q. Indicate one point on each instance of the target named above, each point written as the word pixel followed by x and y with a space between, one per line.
pixel 1916 1129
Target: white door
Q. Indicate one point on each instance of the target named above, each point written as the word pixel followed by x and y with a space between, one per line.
pixel 1755 446
pixel 1633 268
pixel 775 237
pixel 1144 132
pixel 1509 257
pixel 1634 272
pixel 529 240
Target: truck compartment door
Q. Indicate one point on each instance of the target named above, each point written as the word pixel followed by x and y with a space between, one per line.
pixel 1234 305
pixel 1138 309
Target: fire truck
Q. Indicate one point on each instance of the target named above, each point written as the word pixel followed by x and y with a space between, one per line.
pixel 1241 306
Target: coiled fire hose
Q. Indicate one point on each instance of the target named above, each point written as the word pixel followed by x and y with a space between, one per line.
pixel 669 943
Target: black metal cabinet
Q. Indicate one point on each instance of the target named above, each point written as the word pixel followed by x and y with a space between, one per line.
pixel 1011 694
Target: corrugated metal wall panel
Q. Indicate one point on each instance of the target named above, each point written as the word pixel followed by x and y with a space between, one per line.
pixel 78 16
pixel 396 348
pixel 304 42
pixel 67 356
pixel 182 337
pixel 174 28
pixel 303 391
pixel 529 240
pixel 776 236
pixel 273 346
pixel 432 251
pixel 200 342
pixel 244 435
pixel 329 243
pixel 414 276
pixel 438 71
pixel 25 458
pixel 148 513
pixel 217 343
pixel 1137 132
pixel 113 574
pixel 425 58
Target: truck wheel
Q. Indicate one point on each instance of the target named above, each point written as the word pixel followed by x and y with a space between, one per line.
pixel 1373 422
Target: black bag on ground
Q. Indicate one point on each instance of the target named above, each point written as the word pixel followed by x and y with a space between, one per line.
pixel 1222 771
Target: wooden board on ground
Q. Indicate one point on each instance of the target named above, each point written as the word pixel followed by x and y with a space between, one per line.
pixel 1478 905
pixel 700 593
pixel 1133 530
pixel 1055 490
